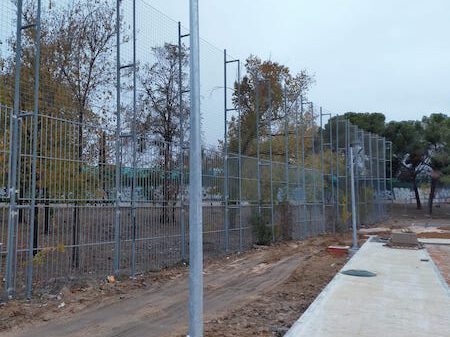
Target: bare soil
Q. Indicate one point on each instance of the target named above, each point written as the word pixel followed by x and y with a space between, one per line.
pixel 273 313
pixel 261 292
pixel 432 235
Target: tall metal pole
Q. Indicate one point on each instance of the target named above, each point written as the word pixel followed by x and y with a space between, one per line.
pixel 118 146
pixel 226 155
pixel 364 178
pixel 384 176
pixel 331 167
pixel 31 238
pixel 133 135
pixel 378 177
pixel 180 103
pixel 241 243
pixel 352 182
pixel 225 149
pixel 14 157
pixel 347 167
pixel 272 215
pixel 195 184
pixel 303 167
pixel 322 172
pixel 337 173
pixel 371 173
pixel 286 141
pixel 297 157
pixel 258 155
pixel 313 170
pixel 390 175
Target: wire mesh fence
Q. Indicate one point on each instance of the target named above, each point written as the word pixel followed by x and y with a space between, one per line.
pixel 94 160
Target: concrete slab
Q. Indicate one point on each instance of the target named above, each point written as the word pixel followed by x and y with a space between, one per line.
pixel 432 241
pixel 408 297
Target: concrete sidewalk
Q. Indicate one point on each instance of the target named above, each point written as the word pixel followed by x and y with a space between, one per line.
pixel 407 298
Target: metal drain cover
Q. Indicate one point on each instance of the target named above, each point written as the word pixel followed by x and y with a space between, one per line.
pixel 359 273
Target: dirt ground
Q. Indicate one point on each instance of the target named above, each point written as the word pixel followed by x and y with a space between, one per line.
pixel 259 293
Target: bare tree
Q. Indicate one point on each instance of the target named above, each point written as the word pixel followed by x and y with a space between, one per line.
pixel 163 117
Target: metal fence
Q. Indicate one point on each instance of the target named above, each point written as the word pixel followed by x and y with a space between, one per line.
pixel 94 175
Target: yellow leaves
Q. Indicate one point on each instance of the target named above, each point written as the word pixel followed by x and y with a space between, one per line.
pixel 42 254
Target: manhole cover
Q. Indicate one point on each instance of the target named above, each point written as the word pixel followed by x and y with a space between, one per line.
pixel 359 273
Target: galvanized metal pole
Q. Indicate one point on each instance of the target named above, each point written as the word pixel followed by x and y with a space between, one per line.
pixel 384 177
pixel 378 177
pixel 195 184
pixel 331 167
pixel 322 172
pixel 313 170
pixel 272 215
pixel 14 157
pixel 31 237
pixel 225 149
pixel 134 164
pixel 371 173
pixel 286 141
pixel 337 173
pixel 297 160
pixel 364 177
pixel 347 167
pixel 390 175
pixel 354 140
pixel 303 167
pixel 117 150
pixel 180 102
pixel 352 182
pixel 258 155
pixel 241 234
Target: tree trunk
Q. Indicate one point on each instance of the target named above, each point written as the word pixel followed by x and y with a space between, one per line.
pixel 102 164
pixel 432 195
pixel 416 194
pixel 78 195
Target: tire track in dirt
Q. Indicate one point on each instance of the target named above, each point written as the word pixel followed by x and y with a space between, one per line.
pixel 162 310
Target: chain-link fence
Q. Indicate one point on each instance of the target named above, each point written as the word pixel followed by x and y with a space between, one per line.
pixel 94 162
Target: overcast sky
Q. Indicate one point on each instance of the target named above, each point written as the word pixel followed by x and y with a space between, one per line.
pixel 390 56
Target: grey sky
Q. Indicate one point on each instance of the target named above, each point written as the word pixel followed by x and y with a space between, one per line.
pixel 389 56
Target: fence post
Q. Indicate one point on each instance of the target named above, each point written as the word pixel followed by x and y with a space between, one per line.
pixel 337 174
pixel 352 183
pixel 13 158
pixel 322 172
pixel 258 155
pixel 225 149
pixel 118 148
pixel 286 142
pixel 241 245
pixel 305 209
pixel 180 102
pixel 272 215
pixel 32 234
pixel 134 160
pixel 297 161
